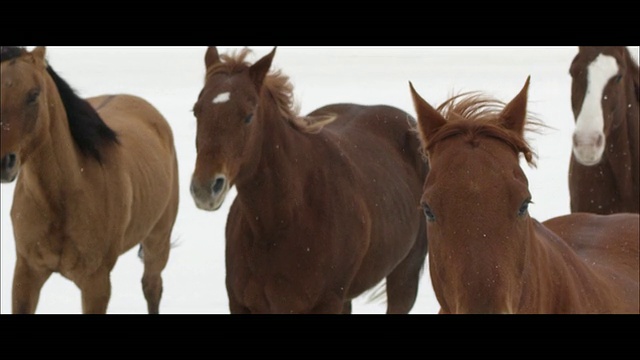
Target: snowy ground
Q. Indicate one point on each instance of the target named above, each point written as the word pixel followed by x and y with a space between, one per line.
pixel 171 78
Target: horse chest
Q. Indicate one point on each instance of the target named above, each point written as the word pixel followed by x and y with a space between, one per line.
pixel 279 293
pixel 63 243
pixel 281 263
pixel 593 189
pixel 267 280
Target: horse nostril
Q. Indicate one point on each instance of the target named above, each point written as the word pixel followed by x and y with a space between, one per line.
pixel 217 185
pixel 599 140
pixel 9 161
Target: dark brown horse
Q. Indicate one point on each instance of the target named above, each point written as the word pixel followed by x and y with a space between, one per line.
pixel 95 178
pixel 604 168
pixel 327 204
pixel 486 254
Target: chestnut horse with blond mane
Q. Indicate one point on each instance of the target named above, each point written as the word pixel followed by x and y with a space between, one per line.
pixel 604 171
pixel 486 254
pixel 327 204
pixel 95 178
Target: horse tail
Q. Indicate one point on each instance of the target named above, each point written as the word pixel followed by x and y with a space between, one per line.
pixel 378 293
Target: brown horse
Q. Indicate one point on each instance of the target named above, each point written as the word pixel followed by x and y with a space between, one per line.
pixel 87 190
pixel 604 168
pixel 327 204
pixel 486 254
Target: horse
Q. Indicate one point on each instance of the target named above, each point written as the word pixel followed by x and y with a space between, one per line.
pixel 604 167
pixel 486 253
pixel 94 178
pixel 327 204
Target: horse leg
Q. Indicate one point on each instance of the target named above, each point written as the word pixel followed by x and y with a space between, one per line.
pixel 235 307
pixel 155 255
pixel 155 249
pixel 27 283
pixel 346 309
pixel 154 263
pixel 96 291
pixel 402 282
pixel 332 304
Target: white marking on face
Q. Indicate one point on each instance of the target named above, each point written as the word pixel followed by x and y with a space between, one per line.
pixel 221 98
pixel 589 136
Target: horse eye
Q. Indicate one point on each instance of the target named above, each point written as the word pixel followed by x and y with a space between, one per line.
pixel 248 118
pixel 525 207
pixel 618 78
pixel 32 96
pixel 428 213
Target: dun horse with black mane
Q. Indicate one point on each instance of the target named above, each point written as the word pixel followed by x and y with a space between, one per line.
pixel 87 190
pixel 486 254
pixel 327 204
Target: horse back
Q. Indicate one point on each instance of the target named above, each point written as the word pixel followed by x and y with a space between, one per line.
pixel 610 241
pixel 377 125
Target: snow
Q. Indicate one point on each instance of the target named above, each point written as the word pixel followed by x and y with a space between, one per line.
pixel 171 79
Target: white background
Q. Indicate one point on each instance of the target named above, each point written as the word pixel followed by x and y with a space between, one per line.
pixel 171 78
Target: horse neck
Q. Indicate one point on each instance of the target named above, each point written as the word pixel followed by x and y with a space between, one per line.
pixel 266 184
pixel 633 127
pixel 53 164
pixel 623 157
pixel 555 279
pixel 631 105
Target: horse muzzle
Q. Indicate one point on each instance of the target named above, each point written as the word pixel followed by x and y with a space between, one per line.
pixel 588 148
pixel 210 195
pixel 9 168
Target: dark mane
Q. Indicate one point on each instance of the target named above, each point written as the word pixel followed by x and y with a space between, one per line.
pixel 278 86
pixel 87 128
pixel 472 115
pixel 230 63
pixel 10 52
pixel 631 60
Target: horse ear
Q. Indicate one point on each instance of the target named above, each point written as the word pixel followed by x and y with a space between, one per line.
pixel 514 115
pixel 258 71
pixel 429 119
pixel 211 57
pixel 39 52
pixel 38 55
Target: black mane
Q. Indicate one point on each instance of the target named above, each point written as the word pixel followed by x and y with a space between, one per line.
pixel 10 52
pixel 88 130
